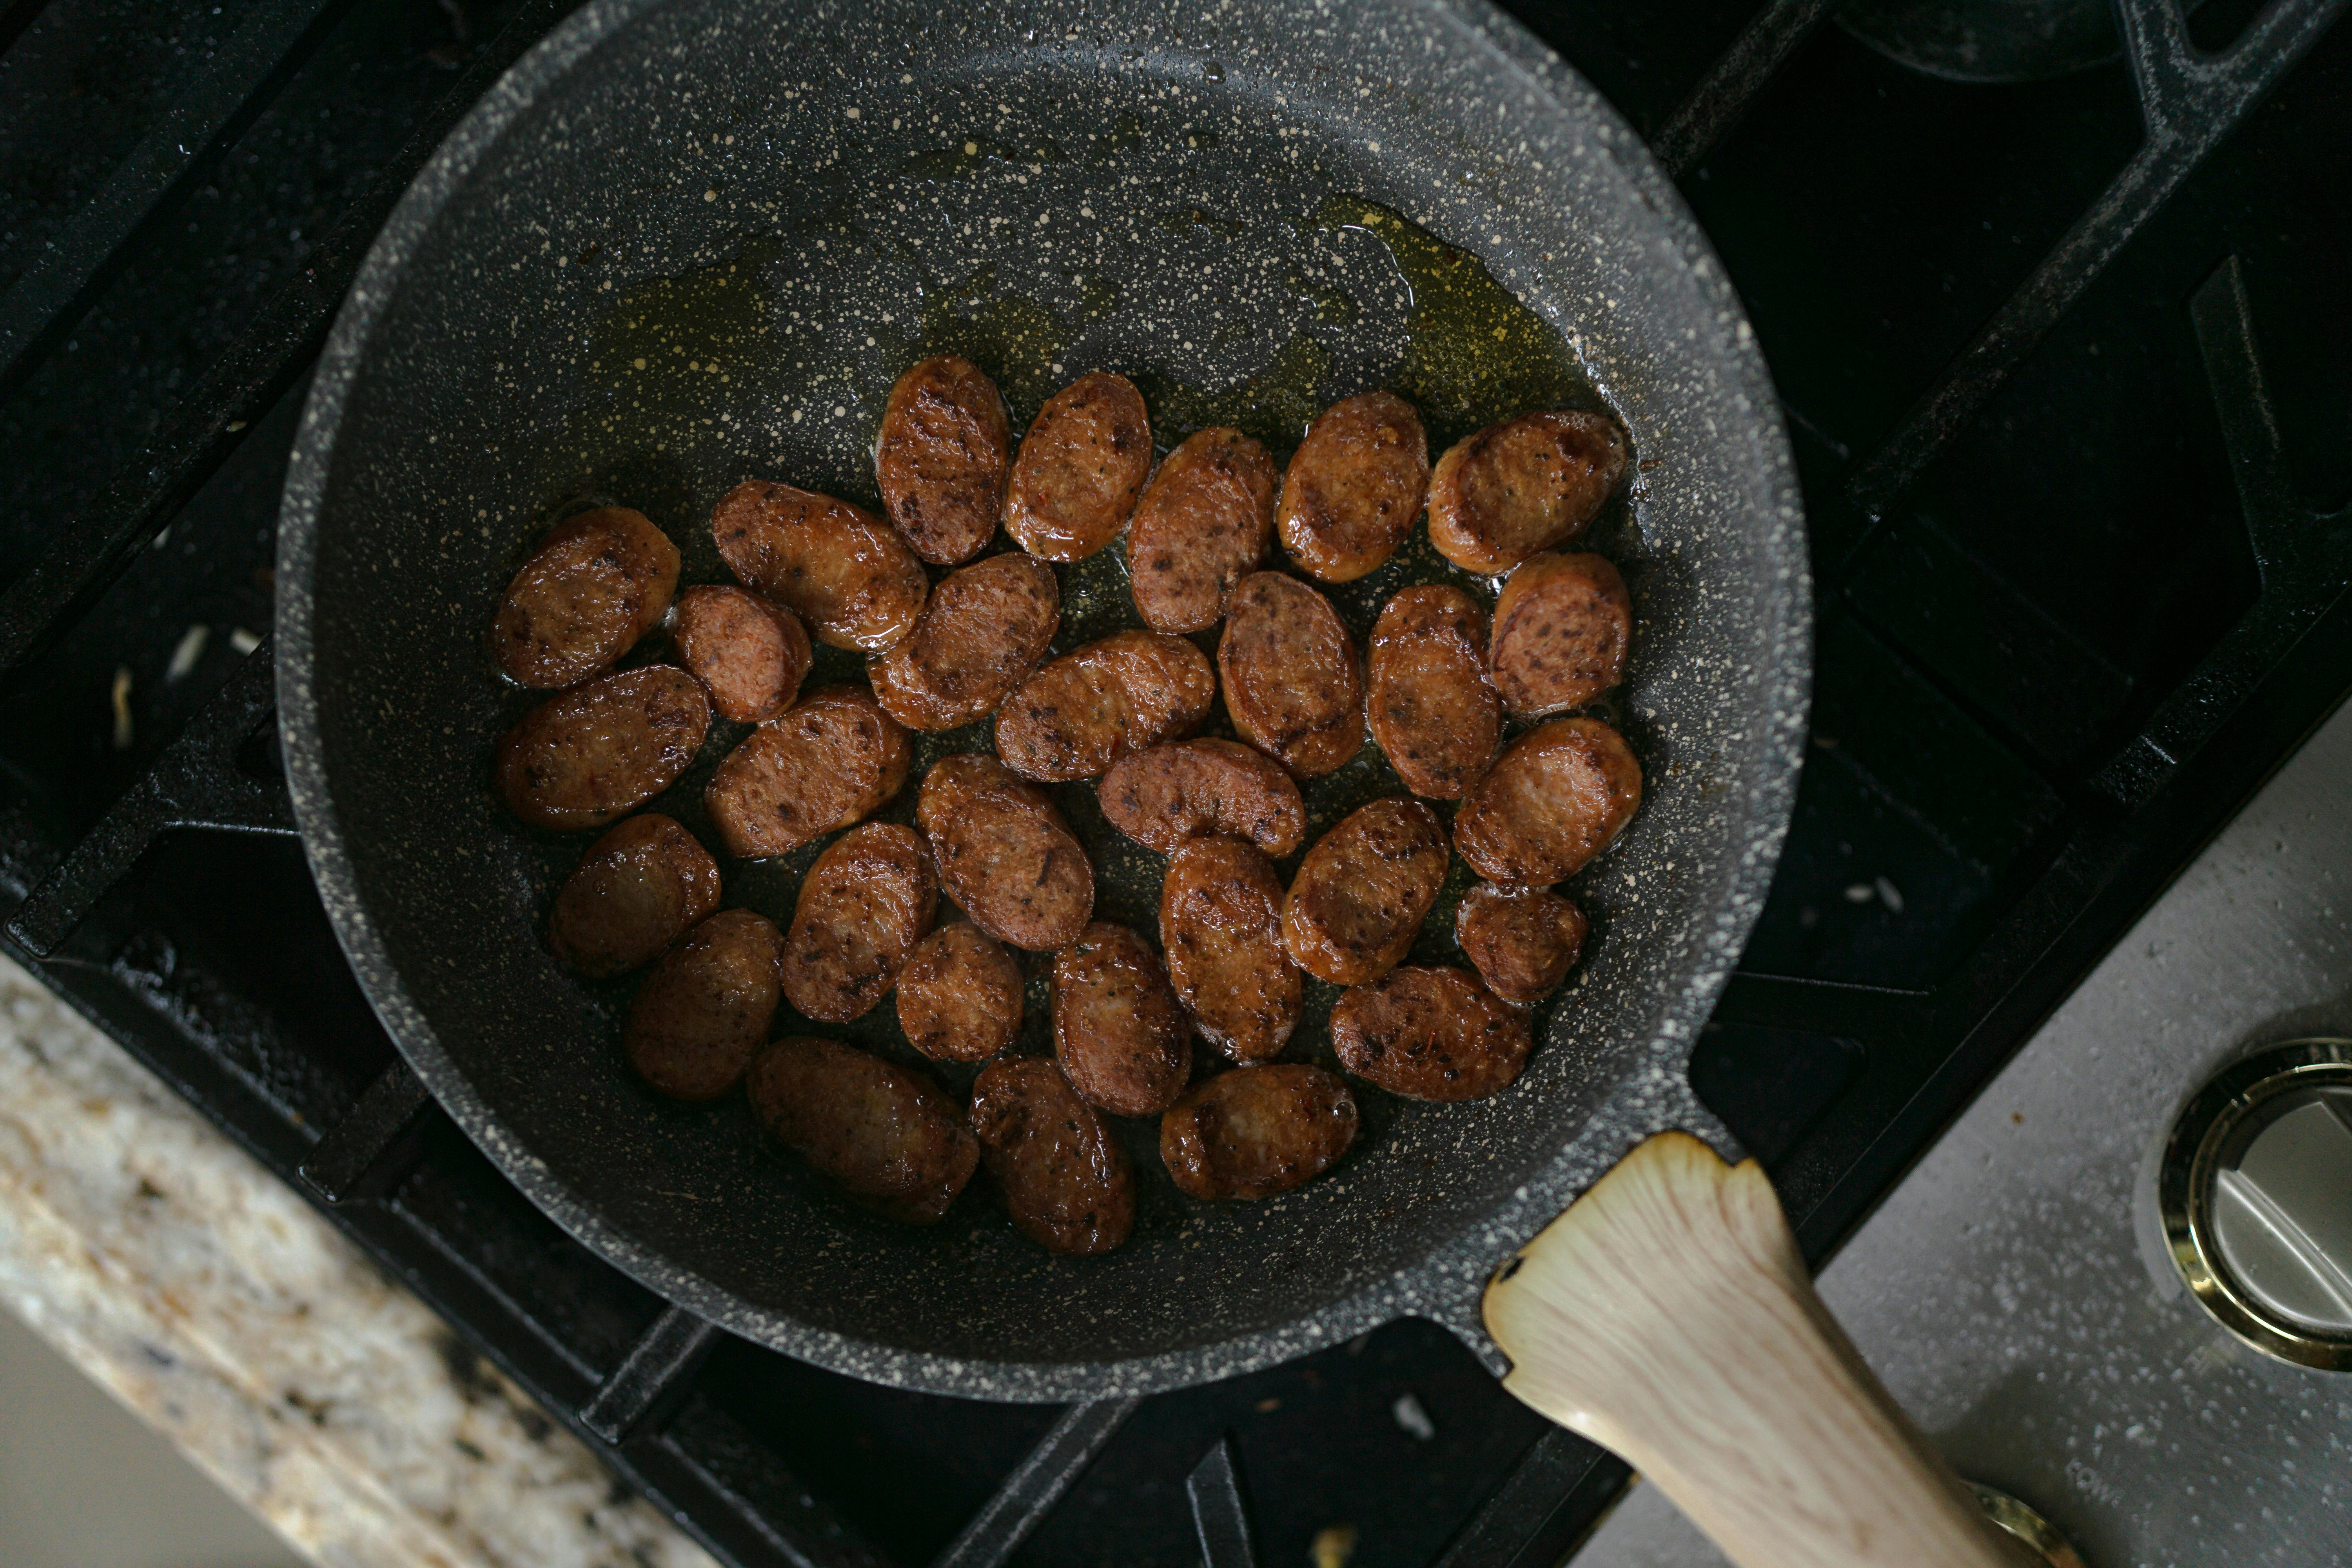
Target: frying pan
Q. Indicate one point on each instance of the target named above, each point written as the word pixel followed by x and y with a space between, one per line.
pixel 688 242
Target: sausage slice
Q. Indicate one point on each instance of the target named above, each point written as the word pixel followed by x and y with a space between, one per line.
pixel 1005 855
pixel 1080 467
pixel 698 1018
pixel 1561 796
pixel 1221 926
pixel 596 584
pixel 1118 1032
pixel 862 907
pixel 1561 630
pixel 1523 486
pixel 633 893
pixel 1433 712
pixel 750 653
pixel 983 632
pixel 1067 1181
pixel 1361 893
pixel 587 755
pixel 1431 1033
pixel 1164 796
pixel 1256 1132
pixel 1524 940
pixel 940 461
pixel 889 1136
pixel 960 994
pixel 836 566
pixel 1354 488
pixel 1083 712
pixel 832 759
pixel 1201 527
pixel 1293 687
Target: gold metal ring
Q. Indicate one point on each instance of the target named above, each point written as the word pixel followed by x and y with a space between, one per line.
pixel 2028 1526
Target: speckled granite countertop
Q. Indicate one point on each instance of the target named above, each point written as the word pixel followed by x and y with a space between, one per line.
pixel 215 1303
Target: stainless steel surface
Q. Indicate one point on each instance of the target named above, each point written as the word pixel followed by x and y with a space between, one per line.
pixel 2015 1291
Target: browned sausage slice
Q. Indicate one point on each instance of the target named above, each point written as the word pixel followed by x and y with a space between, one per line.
pixel 1361 893
pixel 889 1136
pixel 1078 715
pixel 1221 926
pixel 1067 1181
pixel 1164 796
pixel 1433 711
pixel 596 584
pixel 832 759
pixel 1561 630
pixel 1118 1032
pixel 1561 796
pixel 1256 1132
pixel 1201 527
pixel 983 632
pixel 960 994
pixel 1431 1033
pixel 1354 488
pixel 1523 486
pixel 862 907
pixel 751 653
pixel 1080 467
pixel 1005 855
pixel 941 457
pixel 633 893
pixel 1524 940
pixel 604 748
pixel 836 566
pixel 698 1018
pixel 1293 687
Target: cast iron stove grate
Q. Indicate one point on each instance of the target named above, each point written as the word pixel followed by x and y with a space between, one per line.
pixel 2061 361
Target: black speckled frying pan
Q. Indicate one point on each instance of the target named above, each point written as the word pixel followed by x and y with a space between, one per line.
pixel 689 242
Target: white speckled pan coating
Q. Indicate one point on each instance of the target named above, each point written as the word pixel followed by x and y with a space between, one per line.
pixel 444 426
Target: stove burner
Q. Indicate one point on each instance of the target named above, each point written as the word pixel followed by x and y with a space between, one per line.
pixel 1988 40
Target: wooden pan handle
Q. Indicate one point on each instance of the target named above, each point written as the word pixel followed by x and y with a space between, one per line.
pixel 1667 1315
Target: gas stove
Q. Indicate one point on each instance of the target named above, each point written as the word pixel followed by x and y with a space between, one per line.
pixel 2052 314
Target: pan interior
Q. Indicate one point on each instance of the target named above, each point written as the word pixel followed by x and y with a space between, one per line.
pixel 700 251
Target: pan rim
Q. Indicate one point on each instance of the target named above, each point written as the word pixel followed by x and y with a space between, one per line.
pixel 1444 1283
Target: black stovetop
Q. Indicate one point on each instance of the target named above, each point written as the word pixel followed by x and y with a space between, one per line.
pixel 2065 380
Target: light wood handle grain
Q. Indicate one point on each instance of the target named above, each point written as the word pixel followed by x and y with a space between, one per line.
pixel 1667 1315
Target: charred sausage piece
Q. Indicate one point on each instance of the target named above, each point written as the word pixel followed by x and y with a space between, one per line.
pixel 604 748
pixel 1431 1033
pixel 1171 793
pixel 940 461
pixel 1433 711
pixel 1561 796
pixel 1005 854
pixel 698 1018
pixel 862 907
pixel 983 632
pixel 830 759
pixel 596 584
pixel 1221 926
pixel 1118 1032
pixel 836 566
pixel 1078 715
pixel 1256 1132
pixel 1561 630
pixel 633 893
pixel 1521 487
pixel 1080 467
pixel 1067 1181
pixel 1524 940
pixel 1293 687
pixel 750 653
pixel 960 994
pixel 1361 893
pixel 890 1138
pixel 1355 487
pixel 1201 527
